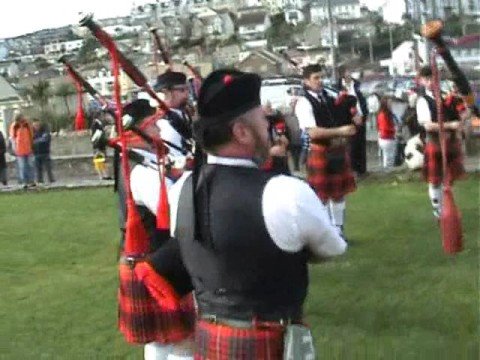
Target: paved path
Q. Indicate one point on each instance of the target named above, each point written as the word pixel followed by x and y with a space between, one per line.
pixel 472 164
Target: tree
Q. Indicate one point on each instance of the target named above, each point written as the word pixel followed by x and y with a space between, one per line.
pixel 86 53
pixel 279 33
pixel 41 63
pixel 65 90
pixel 40 94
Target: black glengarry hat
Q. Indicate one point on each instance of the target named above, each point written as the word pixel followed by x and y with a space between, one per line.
pixel 134 112
pixel 169 79
pixel 226 94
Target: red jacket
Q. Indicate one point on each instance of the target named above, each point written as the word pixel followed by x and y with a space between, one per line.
pixel 385 126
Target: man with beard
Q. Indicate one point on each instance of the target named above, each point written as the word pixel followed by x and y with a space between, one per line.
pixel 328 126
pixel 176 126
pixel 245 240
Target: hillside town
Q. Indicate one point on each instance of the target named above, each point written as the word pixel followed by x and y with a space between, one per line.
pixel 250 35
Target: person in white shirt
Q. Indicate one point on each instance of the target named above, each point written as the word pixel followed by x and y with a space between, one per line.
pixel 328 165
pixel 358 143
pixel 245 235
pixel 432 167
pixel 176 125
pixel 166 334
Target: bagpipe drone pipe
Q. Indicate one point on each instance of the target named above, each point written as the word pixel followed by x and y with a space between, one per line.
pixel 195 82
pixel 450 218
pixel 432 30
pixel 148 300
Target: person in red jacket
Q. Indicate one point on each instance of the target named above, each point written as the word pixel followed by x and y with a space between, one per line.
pixel 21 135
pixel 386 133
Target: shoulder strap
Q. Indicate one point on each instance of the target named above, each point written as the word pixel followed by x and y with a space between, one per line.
pixel 185 225
pixel 179 124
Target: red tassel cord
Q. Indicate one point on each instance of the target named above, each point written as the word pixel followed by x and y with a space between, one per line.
pixel 136 238
pixel 163 208
pixel 450 219
pixel 79 123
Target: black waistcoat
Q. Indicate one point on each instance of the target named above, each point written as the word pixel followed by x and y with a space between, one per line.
pixel 323 111
pixel 447 116
pixel 432 106
pixel 237 270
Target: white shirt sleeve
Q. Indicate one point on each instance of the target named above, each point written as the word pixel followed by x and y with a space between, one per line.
pixel 295 218
pixel 304 113
pixel 423 112
pixel 145 186
pixel 168 133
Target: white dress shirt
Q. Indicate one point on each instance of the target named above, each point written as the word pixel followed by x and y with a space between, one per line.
pixel 294 216
pixel 168 133
pixel 304 112
pixel 424 115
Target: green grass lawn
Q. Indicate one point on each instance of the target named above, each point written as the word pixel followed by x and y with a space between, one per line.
pixel 395 295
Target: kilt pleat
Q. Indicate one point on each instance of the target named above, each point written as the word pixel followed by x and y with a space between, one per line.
pixel 432 165
pixel 328 185
pixel 215 341
pixel 142 320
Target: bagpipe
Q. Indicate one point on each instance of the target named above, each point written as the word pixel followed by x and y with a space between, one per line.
pixel 160 48
pixel 450 219
pixel 277 126
pixel 137 134
pixel 80 85
pixel 143 293
pixel 432 30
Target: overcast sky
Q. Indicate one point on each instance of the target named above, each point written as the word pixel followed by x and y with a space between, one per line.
pixel 19 17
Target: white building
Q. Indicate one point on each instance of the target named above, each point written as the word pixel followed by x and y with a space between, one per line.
pixel 253 23
pixel 404 57
pixel 341 9
pixel 61 47
pixel 9 67
pixel 10 101
pixel 441 8
pixel 294 16
pixel 280 5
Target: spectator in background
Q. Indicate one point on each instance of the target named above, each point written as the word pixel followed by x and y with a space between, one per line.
pixel 21 135
pixel 295 135
pixel 99 147
pixel 358 147
pixel 41 151
pixel 386 133
pixel 3 161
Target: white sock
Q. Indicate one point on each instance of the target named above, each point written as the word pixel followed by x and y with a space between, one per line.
pixel 179 357
pixel 157 351
pixel 337 211
pixel 435 194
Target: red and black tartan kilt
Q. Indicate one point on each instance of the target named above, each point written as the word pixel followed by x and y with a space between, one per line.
pixel 432 165
pixel 326 183
pixel 142 320
pixel 215 341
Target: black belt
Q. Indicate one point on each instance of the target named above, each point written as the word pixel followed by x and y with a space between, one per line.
pixel 247 324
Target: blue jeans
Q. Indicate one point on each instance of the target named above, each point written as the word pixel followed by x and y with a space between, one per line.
pixel 25 169
pixel 43 162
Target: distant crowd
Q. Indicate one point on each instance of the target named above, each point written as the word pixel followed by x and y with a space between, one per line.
pixel 29 142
